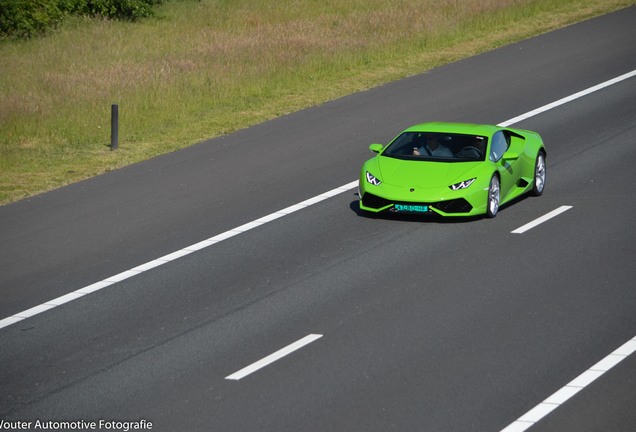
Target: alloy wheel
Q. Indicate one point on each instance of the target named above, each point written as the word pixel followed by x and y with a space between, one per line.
pixel 493 197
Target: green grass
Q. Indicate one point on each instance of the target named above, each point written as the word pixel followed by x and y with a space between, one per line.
pixel 206 68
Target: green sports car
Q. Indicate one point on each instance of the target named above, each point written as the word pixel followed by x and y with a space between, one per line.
pixel 453 169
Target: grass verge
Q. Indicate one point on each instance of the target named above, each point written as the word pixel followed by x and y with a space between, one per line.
pixel 206 68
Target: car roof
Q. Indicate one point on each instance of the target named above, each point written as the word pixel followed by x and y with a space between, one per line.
pixel 461 128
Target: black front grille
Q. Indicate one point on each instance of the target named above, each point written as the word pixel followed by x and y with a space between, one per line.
pixel 459 205
pixel 374 201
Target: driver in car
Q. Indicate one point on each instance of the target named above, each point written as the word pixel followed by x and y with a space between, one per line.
pixel 432 147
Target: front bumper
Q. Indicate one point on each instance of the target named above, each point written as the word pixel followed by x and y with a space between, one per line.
pixel 445 202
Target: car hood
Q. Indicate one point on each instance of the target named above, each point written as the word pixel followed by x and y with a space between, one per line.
pixel 424 174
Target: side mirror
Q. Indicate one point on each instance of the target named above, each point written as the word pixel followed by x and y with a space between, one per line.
pixel 376 148
pixel 517 144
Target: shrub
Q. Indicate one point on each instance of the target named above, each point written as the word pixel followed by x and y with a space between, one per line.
pixel 114 9
pixel 28 18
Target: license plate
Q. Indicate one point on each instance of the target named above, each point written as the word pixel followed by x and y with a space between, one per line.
pixel 410 208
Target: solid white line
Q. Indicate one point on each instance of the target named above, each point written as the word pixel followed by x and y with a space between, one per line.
pixel 573 387
pixel 568 99
pixel 273 357
pixel 265 219
pixel 540 220
pixel 174 255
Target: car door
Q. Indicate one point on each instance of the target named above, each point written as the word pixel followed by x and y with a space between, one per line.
pixel 506 167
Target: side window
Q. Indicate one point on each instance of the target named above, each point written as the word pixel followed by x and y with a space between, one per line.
pixel 499 146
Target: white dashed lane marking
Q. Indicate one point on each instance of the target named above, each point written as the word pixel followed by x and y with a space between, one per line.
pixel 248 370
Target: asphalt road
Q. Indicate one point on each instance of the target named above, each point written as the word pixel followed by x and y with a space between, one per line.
pixel 430 325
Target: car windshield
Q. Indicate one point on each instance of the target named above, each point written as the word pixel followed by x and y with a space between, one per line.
pixel 438 146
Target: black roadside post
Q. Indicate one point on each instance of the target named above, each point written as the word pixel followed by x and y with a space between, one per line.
pixel 114 126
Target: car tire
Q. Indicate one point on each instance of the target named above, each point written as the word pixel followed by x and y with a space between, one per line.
pixel 494 196
pixel 538 184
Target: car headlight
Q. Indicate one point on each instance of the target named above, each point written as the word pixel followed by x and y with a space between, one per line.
pixel 373 179
pixel 461 185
